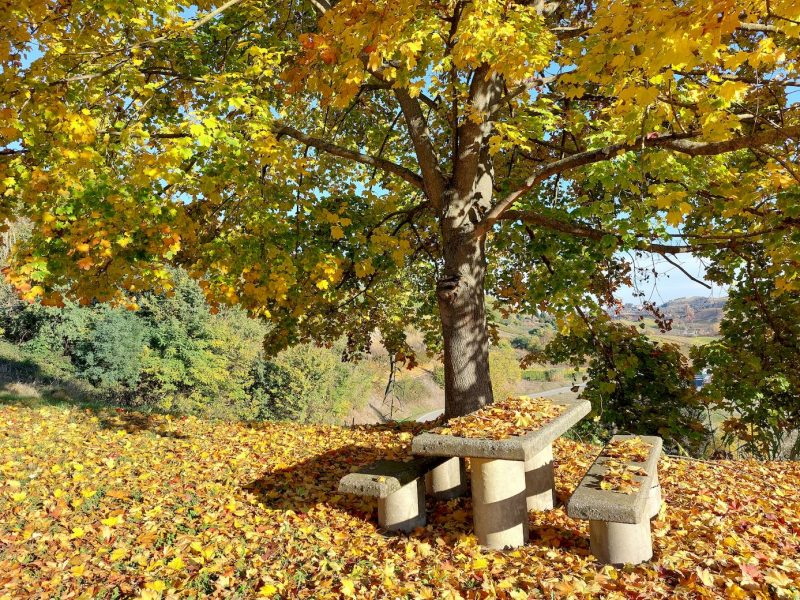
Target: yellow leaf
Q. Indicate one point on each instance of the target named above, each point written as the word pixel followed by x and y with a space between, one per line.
pixel 777 578
pixel 729 542
pixel 118 554
pixel 112 521
pixel 348 587
pixel 156 586
pixel 480 563
pixel 268 590
pixel 176 564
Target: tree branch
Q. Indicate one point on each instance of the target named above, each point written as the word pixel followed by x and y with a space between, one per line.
pixel 685 272
pixel 380 163
pixel 432 177
pixel 584 230
pixel 676 142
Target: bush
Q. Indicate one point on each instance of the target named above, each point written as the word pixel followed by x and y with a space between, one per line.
pixel 174 355
pixel 635 384
pixel 110 354
pixel 505 370
pixel 309 384
pixel 755 381
pixel 521 343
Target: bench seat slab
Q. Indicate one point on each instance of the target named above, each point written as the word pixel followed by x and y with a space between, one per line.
pixel 384 477
pixel 591 502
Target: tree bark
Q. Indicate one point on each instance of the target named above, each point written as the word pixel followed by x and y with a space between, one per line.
pixel 462 306
pixel 460 291
pixel 467 383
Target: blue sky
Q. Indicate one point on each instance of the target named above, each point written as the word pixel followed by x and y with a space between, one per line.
pixel 671 283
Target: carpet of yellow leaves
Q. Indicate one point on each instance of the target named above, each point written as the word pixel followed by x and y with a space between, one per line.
pixel 504 419
pixel 106 505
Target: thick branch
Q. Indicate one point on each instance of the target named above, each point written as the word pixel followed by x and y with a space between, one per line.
pixel 677 142
pixel 433 179
pixel 380 163
pixel 583 230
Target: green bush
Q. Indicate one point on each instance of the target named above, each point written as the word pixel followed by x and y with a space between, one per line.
pixel 522 343
pixel 505 370
pixel 755 381
pixel 309 384
pixel 635 384
pixel 110 354
pixel 174 354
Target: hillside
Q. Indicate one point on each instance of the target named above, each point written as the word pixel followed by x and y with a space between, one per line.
pixel 692 316
pixel 116 504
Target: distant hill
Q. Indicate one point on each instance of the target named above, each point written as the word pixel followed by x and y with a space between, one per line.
pixel 695 315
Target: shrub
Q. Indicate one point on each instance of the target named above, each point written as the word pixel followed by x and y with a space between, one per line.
pixel 505 370
pixel 521 343
pixel 110 354
pixel 635 384
pixel 309 384
pixel 755 381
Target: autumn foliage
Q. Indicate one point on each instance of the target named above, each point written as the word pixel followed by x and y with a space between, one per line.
pixel 119 504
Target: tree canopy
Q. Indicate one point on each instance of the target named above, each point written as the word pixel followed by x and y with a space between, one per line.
pixel 346 167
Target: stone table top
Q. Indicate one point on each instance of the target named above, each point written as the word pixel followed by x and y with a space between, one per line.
pixel 519 447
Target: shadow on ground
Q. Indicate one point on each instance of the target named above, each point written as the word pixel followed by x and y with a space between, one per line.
pixel 311 484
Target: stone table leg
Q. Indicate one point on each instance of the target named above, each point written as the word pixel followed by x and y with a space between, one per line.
pixel 620 543
pixel 540 480
pixel 403 510
pixel 448 480
pixel 498 502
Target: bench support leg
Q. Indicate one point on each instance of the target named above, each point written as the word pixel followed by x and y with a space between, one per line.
pixel 498 502
pixel 403 510
pixel 540 481
pixel 448 480
pixel 619 543
pixel 654 499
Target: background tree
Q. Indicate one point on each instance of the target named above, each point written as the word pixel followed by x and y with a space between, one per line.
pixel 635 384
pixel 346 167
pixel 755 384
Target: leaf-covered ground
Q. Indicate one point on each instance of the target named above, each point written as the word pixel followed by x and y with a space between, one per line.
pixel 106 505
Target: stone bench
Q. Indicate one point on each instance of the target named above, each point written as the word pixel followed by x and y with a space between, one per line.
pixel 509 476
pixel 400 487
pixel 619 523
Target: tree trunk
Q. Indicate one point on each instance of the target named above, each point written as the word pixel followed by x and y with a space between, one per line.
pixel 467 383
pixel 462 307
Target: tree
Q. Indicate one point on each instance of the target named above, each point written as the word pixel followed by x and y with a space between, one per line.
pixel 754 381
pixel 346 167
pixel 635 384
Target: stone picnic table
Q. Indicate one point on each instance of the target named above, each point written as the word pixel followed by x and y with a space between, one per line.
pixel 509 476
